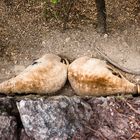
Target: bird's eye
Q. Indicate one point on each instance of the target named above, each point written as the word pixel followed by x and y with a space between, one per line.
pixel 34 63
pixel 115 72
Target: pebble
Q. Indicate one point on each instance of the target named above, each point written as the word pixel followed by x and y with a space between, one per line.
pixel 105 35
pixel 67 39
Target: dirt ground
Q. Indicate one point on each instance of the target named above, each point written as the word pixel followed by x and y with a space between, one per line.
pixel 26 34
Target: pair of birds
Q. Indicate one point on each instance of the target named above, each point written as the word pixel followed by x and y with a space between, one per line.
pixel 87 76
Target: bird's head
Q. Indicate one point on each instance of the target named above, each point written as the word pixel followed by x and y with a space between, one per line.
pixel 53 58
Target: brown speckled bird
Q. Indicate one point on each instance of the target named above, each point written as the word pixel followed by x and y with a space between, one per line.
pixel 46 75
pixel 91 76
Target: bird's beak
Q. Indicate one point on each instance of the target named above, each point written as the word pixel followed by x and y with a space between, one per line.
pixel 64 61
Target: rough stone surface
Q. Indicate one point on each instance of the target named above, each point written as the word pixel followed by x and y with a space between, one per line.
pixel 54 118
pixel 8 106
pixel 115 118
pixel 8 128
pixel 8 123
pixel 74 118
pixel 70 118
pixel 24 136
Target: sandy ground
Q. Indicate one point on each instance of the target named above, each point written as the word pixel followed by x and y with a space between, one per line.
pixel 25 35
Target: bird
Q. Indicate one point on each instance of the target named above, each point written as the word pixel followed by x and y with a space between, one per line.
pixel 45 75
pixel 94 77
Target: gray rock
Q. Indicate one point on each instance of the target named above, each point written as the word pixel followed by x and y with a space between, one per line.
pixel 74 118
pixel 70 118
pixel 55 118
pixel 8 106
pixel 24 136
pixel 8 122
pixel 8 128
pixel 115 118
